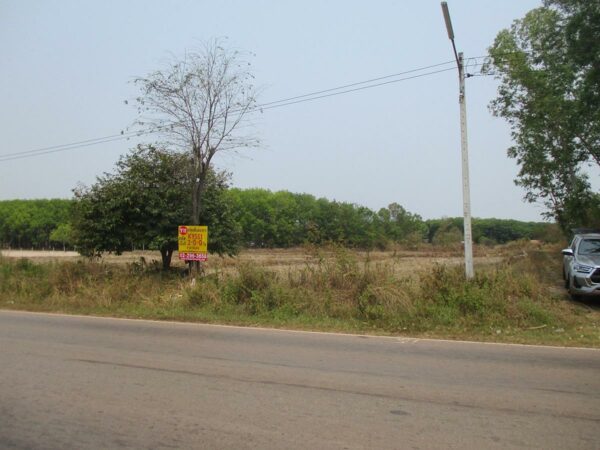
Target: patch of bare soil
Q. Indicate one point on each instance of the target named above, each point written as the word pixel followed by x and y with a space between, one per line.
pixel 40 255
pixel 281 260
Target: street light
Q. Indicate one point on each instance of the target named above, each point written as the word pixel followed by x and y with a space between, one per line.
pixel 469 273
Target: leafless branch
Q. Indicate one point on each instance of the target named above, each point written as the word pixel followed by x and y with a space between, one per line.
pixel 198 104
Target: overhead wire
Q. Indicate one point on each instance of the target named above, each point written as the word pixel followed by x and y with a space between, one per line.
pixel 358 83
pixel 356 89
pixel 32 153
pixel 339 90
pixel 78 144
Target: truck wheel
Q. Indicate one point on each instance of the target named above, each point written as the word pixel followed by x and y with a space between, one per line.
pixel 574 296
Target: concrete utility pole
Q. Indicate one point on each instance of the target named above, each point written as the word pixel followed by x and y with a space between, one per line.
pixel 468 236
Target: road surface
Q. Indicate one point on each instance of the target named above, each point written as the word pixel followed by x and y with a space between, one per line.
pixel 93 383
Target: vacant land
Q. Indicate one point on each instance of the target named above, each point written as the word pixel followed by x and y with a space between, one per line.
pixel 284 259
pixel 517 295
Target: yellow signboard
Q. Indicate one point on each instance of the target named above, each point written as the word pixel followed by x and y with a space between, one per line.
pixel 193 242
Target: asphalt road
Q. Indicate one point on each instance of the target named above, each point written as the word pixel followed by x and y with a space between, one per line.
pixel 91 383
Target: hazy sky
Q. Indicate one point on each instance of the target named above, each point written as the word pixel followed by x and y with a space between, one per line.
pixel 67 67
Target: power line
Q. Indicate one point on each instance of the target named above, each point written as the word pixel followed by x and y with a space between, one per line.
pixel 32 153
pixel 257 107
pixel 357 89
pixel 356 84
pixel 87 142
pixel 78 144
pixel 262 107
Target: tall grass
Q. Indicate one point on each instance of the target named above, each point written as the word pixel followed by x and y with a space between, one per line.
pixel 80 285
pixel 335 289
pixel 345 288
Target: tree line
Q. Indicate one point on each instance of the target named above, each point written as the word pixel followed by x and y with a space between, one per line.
pixel 35 224
pixel 100 220
pixel 286 219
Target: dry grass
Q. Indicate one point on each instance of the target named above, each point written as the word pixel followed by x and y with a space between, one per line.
pixel 515 297
pixel 284 260
pixel 405 260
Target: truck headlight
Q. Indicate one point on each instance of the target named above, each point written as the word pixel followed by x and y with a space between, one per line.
pixel 582 268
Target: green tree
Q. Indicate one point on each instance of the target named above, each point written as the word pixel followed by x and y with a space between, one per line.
pixel 284 219
pixel 144 201
pixel 582 31
pixel 62 234
pixel 399 225
pixel 548 64
pixel 447 232
pixel 29 223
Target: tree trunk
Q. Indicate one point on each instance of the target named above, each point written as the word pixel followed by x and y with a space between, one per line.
pixel 166 255
pixel 196 203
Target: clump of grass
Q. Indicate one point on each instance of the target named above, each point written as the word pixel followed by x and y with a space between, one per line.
pixel 77 285
pixel 22 277
pixel 250 289
pixel 494 298
pixel 343 287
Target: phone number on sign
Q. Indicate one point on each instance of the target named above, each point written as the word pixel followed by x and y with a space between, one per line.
pixel 193 256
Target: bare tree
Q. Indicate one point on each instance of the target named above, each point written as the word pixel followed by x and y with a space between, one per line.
pixel 198 104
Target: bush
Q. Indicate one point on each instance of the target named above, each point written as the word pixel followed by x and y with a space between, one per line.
pixel 448 236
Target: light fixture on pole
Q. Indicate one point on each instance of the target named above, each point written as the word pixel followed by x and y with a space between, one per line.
pixel 468 236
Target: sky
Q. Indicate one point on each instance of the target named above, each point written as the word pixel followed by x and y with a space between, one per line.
pixel 68 65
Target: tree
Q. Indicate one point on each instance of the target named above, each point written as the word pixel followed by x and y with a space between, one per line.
pixel 198 104
pixel 399 225
pixel 62 234
pixel 582 31
pixel 447 234
pixel 548 64
pixel 144 201
pixel 29 223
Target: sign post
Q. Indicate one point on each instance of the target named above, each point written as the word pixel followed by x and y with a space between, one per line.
pixel 193 242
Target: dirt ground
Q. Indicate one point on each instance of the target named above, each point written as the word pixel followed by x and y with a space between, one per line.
pixel 282 260
pixel 38 254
